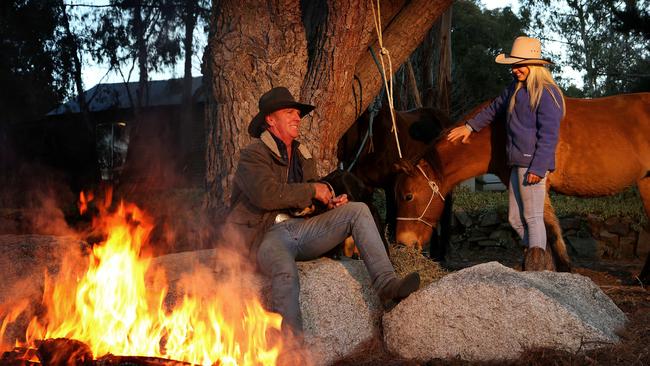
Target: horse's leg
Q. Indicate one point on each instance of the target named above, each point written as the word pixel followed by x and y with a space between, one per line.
pixel 439 243
pixel 644 191
pixel 391 211
pixel 554 237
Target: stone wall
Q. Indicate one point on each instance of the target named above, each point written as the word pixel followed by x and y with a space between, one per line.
pixel 587 237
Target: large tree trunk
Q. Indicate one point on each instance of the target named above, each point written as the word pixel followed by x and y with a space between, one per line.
pixel 315 51
pixel 444 65
pixel 186 127
pixel 253 47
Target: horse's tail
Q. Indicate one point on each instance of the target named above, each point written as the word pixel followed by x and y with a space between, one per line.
pixel 554 237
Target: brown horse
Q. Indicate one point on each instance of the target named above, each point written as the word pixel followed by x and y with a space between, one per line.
pixel 416 129
pixel 373 163
pixel 603 148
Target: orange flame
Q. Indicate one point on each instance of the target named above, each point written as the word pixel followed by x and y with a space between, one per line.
pixel 113 310
pixel 83 201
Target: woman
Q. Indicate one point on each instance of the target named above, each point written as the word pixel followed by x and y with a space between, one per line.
pixel 534 106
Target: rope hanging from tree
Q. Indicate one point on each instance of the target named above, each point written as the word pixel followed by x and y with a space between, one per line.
pixel 388 82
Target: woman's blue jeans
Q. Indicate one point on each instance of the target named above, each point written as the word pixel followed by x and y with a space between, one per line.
pixel 526 208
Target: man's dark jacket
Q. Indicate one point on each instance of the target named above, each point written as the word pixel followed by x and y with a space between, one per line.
pixel 261 191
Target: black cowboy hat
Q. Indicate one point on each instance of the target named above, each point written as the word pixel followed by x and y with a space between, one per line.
pixel 271 101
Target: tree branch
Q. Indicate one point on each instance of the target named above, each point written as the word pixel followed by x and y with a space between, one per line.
pixel 401 37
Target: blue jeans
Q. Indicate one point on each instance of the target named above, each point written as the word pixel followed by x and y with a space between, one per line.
pixel 526 208
pixel 299 239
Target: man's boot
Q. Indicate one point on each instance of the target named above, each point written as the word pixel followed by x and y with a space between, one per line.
pixel 398 289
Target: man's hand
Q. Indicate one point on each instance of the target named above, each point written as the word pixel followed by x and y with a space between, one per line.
pixel 323 193
pixel 533 178
pixel 459 133
pixel 337 201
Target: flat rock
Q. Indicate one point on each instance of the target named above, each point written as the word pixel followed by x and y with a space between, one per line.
pixel 643 244
pixel 341 313
pixel 463 217
pixel 491 312
pixel 583 247
pixel 568 223
pixel 490 218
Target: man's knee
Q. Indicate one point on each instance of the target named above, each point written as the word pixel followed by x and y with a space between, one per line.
pixel 359 208
pixel 275 260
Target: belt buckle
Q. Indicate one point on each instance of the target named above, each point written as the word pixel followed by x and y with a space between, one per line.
pixel 281 217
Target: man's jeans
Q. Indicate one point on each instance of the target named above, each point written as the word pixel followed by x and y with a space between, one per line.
pixel 299 239
pixel 526 208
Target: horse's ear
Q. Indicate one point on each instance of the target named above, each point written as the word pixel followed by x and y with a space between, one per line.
pixel 404 165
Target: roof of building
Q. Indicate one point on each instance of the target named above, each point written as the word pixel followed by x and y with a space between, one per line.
pixel 108 96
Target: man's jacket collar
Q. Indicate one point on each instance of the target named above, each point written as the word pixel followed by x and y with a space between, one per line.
pixel 268 140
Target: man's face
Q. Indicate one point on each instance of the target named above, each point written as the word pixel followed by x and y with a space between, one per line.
pixel 284 124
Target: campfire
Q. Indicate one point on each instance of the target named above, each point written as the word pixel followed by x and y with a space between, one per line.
pixel 116 312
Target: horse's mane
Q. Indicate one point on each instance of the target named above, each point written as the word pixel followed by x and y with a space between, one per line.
pixel 430 154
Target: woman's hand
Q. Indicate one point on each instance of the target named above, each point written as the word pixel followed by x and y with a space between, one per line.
pixel 533 178
pixel 459 133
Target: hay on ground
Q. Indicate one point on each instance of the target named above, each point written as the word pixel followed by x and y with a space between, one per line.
pixel 407 260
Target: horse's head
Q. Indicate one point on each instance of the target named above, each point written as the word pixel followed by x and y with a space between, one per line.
pixel 419 203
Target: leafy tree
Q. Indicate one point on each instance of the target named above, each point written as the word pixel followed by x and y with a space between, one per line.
pixel 33 69
pixel 150 35
pixel 612 62
pixel 137 33
pixel 637 20
pixel 478 35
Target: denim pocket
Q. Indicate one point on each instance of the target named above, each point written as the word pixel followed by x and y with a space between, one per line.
pixel 292 226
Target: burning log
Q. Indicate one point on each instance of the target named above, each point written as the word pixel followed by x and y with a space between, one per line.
pixel 110 360
pixel 20 356
pixel 64 352
pixel 70 352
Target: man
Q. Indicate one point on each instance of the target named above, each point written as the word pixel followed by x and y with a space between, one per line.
pixel 275 180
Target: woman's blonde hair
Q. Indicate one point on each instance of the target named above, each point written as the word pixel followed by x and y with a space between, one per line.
pixel 538 79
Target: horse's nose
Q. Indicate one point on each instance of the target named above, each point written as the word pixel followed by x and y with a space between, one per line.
pixel 408 239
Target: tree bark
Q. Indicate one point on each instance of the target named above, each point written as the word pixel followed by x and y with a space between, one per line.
pixel 139 28
pixel 186 126
pixel 253 47
pixel 316 55
pixel 413 85
pixel 444 65
pixel 341 34
pixel 401 37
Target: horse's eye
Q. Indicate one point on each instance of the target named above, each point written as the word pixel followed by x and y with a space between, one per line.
pixel 408 197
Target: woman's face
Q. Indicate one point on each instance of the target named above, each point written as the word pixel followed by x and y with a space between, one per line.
pixel 520 72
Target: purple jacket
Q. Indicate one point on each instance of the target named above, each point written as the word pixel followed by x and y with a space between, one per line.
pixel 531 134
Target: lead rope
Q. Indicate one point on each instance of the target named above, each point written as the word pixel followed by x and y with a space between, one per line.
pixel 434 190
pixel 367 138
pixel 388 83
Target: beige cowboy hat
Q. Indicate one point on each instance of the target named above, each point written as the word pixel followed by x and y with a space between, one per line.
pixel 271 101
pixel 525 51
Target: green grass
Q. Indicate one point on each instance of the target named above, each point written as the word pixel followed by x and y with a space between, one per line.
pixel 625 204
